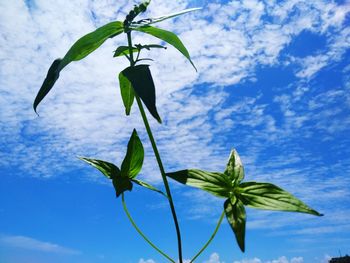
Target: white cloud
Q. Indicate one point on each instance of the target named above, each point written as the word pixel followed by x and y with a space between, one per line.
pixel 214 258
pixel 83 115
pixel 146 261
pixel 282 259
pixel 29 243
pixel 253 260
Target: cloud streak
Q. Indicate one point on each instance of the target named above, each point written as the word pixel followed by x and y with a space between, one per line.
pixel 203 118
pixel 23 242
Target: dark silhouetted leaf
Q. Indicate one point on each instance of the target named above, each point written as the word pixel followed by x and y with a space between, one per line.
pixel 51 77
pixel 234 168
pixel 108 169
pixel 142 82
pixel 83 47
pixel 236 217
pixel 121 184
pixel 133 160
pixel 168 37
pixel 127 92
pixel 148 186
pixel 217 184
pixel 271 197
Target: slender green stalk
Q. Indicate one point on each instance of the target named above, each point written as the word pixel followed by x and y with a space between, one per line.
pixel 132 62
pixel 159 161
pixel 211 238
pixel 140 232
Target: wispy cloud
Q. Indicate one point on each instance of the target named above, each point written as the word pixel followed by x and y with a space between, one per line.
pixel 78 119
pixel 282 259
pixel 146 261
pixel 29 243
pixel 202 119
pixel 215 258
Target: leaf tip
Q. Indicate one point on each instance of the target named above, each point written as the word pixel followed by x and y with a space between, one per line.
pixel 194 66
pixel 34 108
pixel 314 212
pixel 241 247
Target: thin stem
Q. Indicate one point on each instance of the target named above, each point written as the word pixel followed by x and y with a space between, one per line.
pixel 140 232
pixel 138 54
pixel 162 171
pixel 211 238
pixel 159 161
pixel 132 63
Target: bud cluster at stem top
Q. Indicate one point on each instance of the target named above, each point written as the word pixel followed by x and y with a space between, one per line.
pixel 135 12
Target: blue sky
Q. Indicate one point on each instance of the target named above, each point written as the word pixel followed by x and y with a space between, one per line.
pixel 272 82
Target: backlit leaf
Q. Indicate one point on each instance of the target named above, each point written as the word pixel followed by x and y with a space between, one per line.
pixel 127 92
pixel 142 82
pixel 133 160
pixel 148 186
pixel 168 37
pixel 217 184
pixel 234 168
pixel 108 169
pixel 271 197
pixel 123 50
pixel 83 47
pixel 236 217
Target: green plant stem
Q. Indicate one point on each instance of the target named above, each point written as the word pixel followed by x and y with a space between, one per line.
pixel 140 232
pixel 159 161
pixel 210 239
pixel 162 171
pixel 132 62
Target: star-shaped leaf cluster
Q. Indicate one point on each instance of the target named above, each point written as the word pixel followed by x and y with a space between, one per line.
pixel 229 185
pixel 124 177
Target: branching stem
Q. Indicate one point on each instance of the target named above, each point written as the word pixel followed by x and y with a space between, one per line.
pixel 141 233
pixel 211 238
pixel 159 161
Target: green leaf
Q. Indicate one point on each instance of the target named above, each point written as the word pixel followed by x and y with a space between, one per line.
pixel 83 47
pixel 236 217
pixel 127 92
pixel 217 184
pixel 51 77
pixel 123 50
pixel 121 184
pixel 146 185
pixel 142 82
pixel 234 168
pixel 108 169
pixel 133 160
pixel 149 21
pixel 271 197
pixel 168 37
